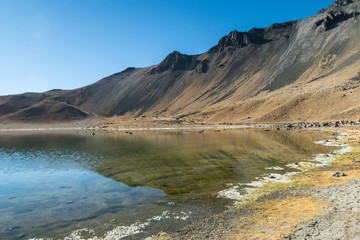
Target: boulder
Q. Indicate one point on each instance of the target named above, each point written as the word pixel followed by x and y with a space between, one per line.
pixel 339 174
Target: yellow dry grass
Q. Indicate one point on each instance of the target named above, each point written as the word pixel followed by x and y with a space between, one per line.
pixel 325 178
pixel 348 163
pixel 351 160
pixel 276 219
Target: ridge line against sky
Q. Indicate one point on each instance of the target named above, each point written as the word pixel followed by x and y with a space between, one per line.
pixel 70 44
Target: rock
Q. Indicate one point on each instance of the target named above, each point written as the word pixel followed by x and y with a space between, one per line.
pixel 175 61
pixel 339 174
pixel 202 67
pixel 344 2
pixel 12 229
pixel 240 39
pixel 235 39
pixel 331 19
pixel 313 224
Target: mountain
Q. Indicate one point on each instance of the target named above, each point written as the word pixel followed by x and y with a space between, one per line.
pixel 305 70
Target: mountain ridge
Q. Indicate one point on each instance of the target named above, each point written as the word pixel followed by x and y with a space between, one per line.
pixel 262 75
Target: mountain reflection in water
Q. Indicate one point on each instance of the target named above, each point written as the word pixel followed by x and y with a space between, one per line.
pixel 52 184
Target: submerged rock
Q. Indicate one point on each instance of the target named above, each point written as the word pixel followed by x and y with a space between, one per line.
pixel 12 229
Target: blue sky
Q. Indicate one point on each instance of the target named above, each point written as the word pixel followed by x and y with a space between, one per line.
pixel 47 44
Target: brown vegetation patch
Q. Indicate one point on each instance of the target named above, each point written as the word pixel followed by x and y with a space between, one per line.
pixel 276 219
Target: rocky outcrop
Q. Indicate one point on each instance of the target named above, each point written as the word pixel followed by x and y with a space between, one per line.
pixel 235 39
pixel 331 19
pixel 202 67
pixel 175 61
pixel 239 40
pixel 344 2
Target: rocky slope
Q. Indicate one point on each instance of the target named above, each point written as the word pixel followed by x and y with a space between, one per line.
pixel 296 71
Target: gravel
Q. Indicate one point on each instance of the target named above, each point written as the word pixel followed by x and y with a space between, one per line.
pixel 340 221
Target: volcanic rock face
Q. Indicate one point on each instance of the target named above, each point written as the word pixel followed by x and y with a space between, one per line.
pixel 202 67
pixel 175 61
pixel 331 19
pixel 240 39
pixel 344 2
pixel 294 71
pixel 235 39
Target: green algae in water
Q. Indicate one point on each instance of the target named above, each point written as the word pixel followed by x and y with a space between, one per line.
pixel 185 165
pixel 52 184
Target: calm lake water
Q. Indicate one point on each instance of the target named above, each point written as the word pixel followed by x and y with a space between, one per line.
pixel 132 186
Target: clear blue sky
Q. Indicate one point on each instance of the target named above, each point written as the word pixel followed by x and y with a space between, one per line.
pixel 47 44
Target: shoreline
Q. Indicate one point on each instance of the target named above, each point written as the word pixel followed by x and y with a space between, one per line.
pixel 315 189
pixel 288 195
pixel 305 189
pixel 188 128
pixel 98 127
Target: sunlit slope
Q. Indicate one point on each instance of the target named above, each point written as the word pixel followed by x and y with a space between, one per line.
pixel 295 71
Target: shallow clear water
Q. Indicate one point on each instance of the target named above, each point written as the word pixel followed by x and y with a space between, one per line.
pixel 52 184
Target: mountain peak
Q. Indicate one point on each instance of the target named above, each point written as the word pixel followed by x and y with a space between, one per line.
pixel 235 39
pixel 175 61
pixel 238 39
pixel 344 2
pixel 285 72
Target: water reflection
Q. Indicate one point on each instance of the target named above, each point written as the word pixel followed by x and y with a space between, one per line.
pixel 189 164
pixel 51 184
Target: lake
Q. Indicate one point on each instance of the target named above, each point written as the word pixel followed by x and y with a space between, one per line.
pixel 122 186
